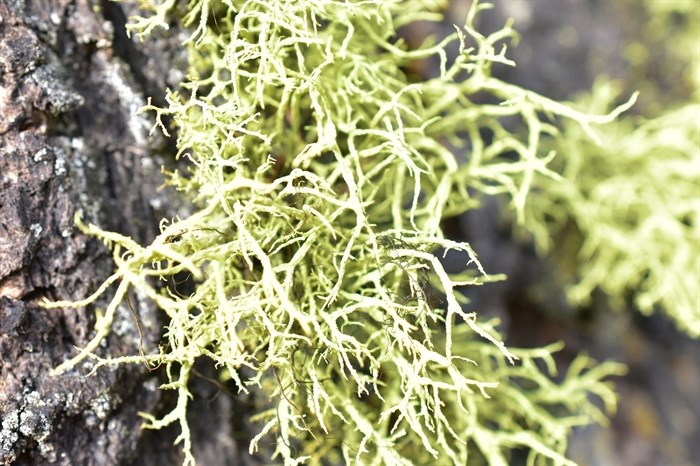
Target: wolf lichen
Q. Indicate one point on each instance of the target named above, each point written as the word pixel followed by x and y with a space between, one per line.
pixel 320 175
pixel 634 201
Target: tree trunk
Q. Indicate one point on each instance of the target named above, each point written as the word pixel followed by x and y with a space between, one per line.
pixel 70 84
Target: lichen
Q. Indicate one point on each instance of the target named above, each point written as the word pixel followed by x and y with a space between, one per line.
pixel 320 174
pixel 625 214
pixel 634 204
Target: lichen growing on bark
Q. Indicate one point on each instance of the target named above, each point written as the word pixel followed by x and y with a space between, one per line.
pixel 320 174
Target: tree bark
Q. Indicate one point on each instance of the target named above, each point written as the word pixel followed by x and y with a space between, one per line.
pixel 71 82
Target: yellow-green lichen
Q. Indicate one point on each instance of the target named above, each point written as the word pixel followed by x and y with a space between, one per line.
pixel 321 174
pixel 634 202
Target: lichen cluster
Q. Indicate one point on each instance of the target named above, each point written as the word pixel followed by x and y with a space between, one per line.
pixel 628 210
pixel 634 202
pixel 319 174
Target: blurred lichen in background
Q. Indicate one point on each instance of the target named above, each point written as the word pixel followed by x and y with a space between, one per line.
pixel 625 215
pixel 663 60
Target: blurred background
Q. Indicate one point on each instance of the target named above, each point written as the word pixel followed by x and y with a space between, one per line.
pixel 565 46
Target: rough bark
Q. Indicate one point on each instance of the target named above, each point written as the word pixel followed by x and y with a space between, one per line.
pixel 70 84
